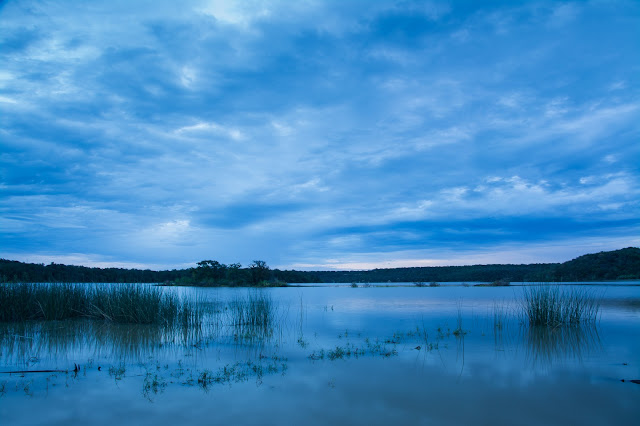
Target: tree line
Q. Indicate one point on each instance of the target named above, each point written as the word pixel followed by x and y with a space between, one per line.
pixel 206 273
pixel 611 265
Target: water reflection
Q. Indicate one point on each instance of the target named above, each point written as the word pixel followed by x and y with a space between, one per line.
pixel 548 345
pixel 251 322
pixel 404 356
pixel 60 341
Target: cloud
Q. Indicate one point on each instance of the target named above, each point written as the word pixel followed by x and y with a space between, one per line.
pixel 515 197
pixel 205 129
pixel 160 132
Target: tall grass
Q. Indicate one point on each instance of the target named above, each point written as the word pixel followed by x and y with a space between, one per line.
pixel 253 317
pixel 551 305
pixel 138 304
pixel 255 310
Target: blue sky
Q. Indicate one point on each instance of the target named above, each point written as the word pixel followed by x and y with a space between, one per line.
pixel 318 134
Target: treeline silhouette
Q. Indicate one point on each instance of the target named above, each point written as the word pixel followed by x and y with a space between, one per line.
pixel 611 265
pixel 207 273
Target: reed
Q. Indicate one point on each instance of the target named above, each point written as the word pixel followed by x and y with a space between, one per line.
pixel 128 303
pixel 499 316
pixel 551 305
pixel 256 310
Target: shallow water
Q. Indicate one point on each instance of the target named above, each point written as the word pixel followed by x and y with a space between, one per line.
pixel 341 355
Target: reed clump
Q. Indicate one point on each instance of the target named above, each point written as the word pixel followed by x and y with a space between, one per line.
pixel 256 310
pixel 125 303
pixel 551 305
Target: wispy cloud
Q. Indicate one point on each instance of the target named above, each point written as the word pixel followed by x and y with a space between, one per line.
pixel 316 133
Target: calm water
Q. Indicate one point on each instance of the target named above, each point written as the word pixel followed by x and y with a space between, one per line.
pixel 333 355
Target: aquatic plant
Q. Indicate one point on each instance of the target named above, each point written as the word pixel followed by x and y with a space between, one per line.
pixel 377 348
pixel 153 384
pixel 242 371
pixel 459 331
pixel 499 316
pixel 252 317
pixel 338 353
pixel 126 303
pixel 118 372
pixel 551 305
pixel 257 309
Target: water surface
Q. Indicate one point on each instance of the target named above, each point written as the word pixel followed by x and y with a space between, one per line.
pixel 341 355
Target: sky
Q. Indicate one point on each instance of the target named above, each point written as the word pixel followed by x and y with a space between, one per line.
pixel 318 135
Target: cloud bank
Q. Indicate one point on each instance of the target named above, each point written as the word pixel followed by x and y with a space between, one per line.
pixel 318 134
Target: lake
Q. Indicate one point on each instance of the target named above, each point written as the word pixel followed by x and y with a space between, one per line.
pixel 372 354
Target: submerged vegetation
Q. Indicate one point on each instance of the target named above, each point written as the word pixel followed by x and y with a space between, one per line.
pixel 127 303
pixel 551 305
pixel 242 371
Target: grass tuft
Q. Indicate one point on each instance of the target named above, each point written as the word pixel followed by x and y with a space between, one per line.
pixel 551 305
pixel 253 316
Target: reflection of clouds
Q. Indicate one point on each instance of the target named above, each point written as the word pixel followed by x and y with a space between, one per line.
pixel 376 391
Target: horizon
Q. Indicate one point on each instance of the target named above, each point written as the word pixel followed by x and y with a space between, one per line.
pixel 320 135
pixel 337 270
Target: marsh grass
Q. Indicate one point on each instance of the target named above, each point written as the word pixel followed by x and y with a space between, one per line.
pixel 459 331
pixel 118 371
pixel 253 316
pixel 126 303
pixel 254 310
pixel 553 306
pixel 152 385
pixel 242 371
pixel 499 316
pixel 349 350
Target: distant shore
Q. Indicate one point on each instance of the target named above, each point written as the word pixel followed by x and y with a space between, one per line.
pixel 617 265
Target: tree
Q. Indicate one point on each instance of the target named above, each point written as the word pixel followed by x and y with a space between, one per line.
pixel 235 274
pixel 211 270
pixel 259 271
